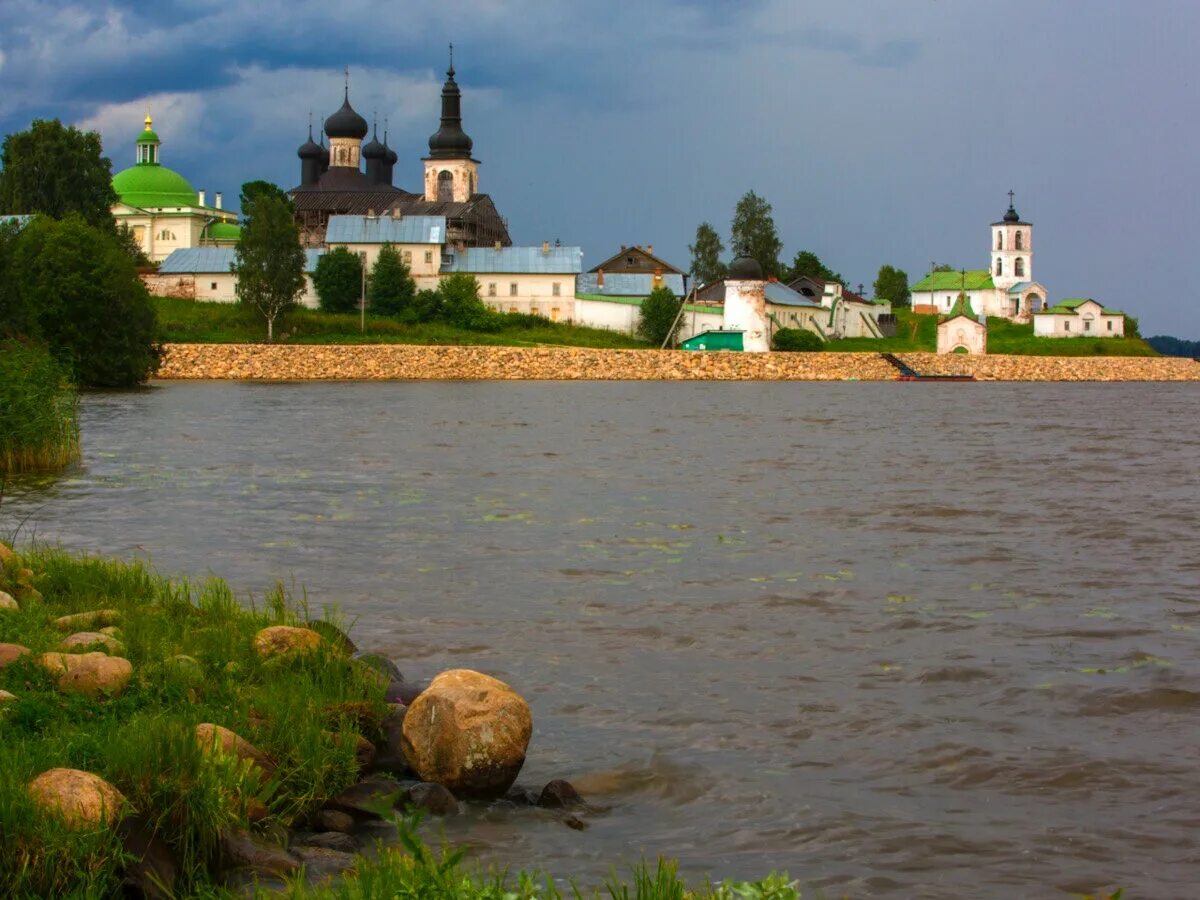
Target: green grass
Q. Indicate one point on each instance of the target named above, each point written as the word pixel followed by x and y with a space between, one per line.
pixel 198 322
pixel 39 430
pixel 916 333
pixel 302 713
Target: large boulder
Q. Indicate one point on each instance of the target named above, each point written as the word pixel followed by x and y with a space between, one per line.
pixel 467 732
pixel 90 674
pixel 151 868
pixel 240 849
pixel 285 640
pixel 216 739
pixel 85 640
pixel 7 601
pixel 88 621
pixel 6 555
pixel 10 653
pixel 6 697
pixel 82 800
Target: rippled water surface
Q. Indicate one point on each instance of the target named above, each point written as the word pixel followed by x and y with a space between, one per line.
pixel 898 639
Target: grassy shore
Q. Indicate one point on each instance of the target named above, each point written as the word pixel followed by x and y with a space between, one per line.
pixel 39 430
pixel 191 646
pixel 918 334
pixel 197 322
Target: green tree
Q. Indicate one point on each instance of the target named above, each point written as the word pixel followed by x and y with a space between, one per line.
pixel 393 291
pixel 660 316
pixel 18 313
pixel 892 284
pixel 428 306
pixel 56 170
pixel 754 235
pixel 808 263
pixel 92 309
pixel 706 255
pixel 943 267
pixel 252 190
pixel 269 263
pixel 339 281
pixel 460 305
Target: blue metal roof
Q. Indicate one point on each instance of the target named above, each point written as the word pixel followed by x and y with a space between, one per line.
pixel 516 260
pixel 782 295
pixel 194 260
pixel 386 230
pixel 625 284
pixel 1020 286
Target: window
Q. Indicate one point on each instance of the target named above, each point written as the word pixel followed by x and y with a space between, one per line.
pixel 512 308
pixel 213 286
pixel 554 314
pixel 491 289
pixel 1020 240
pixel 1019 267
pixel 629 260
pixel 512 289
pixel 408 257
pixel 428 257
pixel 1110 324
pixel 999 267
pixel 445 187
pixel 999 240
pixel 1087 326
pixel 166 235
pixel 1066 326
pixel 556 289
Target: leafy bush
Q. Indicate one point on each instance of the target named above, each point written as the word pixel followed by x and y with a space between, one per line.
pixel 461 305
pixel 660 316
pixel 39 431
pixel 90 305
pixel 338 280
pixel 796 340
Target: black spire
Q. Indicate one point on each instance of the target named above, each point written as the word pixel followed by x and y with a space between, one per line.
pixel 450 141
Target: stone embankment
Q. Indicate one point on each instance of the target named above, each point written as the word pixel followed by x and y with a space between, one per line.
pixel 401 362
pixel 293 362
pixel 1055 368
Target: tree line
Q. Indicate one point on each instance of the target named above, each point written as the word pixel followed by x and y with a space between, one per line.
pixel 753 234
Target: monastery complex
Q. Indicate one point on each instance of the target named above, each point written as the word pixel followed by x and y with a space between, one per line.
pixel 345 197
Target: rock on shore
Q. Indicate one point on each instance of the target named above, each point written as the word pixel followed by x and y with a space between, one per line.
pixel 80 799
pixel 468 732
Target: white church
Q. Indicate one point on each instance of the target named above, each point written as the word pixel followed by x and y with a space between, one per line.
pixel 1006 289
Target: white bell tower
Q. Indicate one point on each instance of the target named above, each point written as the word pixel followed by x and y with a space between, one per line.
pixel 1012 249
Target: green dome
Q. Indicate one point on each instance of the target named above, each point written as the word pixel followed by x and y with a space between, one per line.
pixel 148 185
pixel 223 231
pixel 148 136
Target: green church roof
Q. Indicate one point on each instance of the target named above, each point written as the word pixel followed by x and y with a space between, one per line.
pixel 962 307
pixel 223 231
pixel 148 136
pixel 1071 306
pixel 149 185
pixel 976 280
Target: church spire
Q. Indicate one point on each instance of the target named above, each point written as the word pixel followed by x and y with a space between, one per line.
pixel 450 141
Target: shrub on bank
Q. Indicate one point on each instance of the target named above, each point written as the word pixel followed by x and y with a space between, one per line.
pixel 39 429
pixel 796 340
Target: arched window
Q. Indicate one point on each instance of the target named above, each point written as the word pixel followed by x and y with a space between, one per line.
pixel 445 190
pixel 1019 269
pixel 999 240
pixel 999 266
pixel 1020 240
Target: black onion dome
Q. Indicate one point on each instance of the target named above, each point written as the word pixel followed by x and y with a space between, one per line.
pixel 310 149
pixel 745 268
pixel 1011 215
pixel 450 141
pixel 374 150
pixel 392 156
pixel 346 123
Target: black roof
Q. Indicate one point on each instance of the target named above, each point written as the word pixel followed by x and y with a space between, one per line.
pixel 450 141
pixel 745 268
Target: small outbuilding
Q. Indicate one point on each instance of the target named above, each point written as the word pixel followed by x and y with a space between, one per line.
pixel 961 331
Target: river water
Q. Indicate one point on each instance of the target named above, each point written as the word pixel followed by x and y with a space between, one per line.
pixel 897 639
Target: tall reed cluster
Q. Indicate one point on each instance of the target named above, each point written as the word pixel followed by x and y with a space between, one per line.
pixel 39 426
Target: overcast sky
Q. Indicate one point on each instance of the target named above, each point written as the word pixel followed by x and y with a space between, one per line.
pixel 882 131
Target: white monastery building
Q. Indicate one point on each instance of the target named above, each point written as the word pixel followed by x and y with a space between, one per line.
pixel 1079 318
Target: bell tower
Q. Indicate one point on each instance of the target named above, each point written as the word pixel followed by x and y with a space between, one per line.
pixel 1012 249
pixel 451 175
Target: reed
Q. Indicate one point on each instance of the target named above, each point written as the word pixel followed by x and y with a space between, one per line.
pixel 39 427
